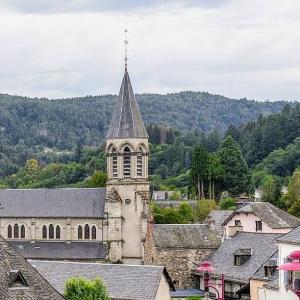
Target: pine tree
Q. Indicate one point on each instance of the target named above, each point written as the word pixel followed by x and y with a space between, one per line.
pixel 237 175
pixel 199 169
pixel 215 172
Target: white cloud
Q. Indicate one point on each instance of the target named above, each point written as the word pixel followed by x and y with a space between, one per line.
pixel 235 48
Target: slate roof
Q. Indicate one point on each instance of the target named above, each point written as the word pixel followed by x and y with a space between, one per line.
pixel 191 236
pixel 60 250
pixel 123 281
pixel 126 120
pixel 271 215
pixel 263 247
pixel 54 203
pixel 292 237
pixel 13 265
pixel 218 217
pixel 260 273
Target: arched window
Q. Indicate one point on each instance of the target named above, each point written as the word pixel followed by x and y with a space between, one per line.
pixel 114 163
pixel 79 232
pixel 126 162
pixel 57 232
pixel 9 232
pixel 44 232
pixel 139 163
pixel 94 233
pixel 86 232
pixel 22 232
pixel 51 231
pixel 16 231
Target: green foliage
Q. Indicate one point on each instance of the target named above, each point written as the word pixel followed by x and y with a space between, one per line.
pixel 194 298
pixel 98 179
pixel 215 172
pixel 203 208
pixel 292 198
pixel 173 215
pixel 271 189
pixel 228 203
pixel 237 175
pixel 78 288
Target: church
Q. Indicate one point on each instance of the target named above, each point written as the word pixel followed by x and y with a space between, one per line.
pixel 89 224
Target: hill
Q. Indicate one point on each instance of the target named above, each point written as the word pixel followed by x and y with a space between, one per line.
pixel 63 123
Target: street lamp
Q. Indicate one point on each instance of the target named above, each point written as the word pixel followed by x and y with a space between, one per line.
pixel 207 268
pixel 293 268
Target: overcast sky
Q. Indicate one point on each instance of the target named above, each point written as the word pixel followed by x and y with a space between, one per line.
pixel 237 48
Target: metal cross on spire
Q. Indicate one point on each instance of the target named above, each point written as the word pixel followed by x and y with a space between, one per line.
pixel 126 43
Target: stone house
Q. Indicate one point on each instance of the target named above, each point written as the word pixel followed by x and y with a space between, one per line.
pixel 239 258
pixel 180 248
pixel 104 224
pixel 19 280
pixel 260 217
pixel 123 281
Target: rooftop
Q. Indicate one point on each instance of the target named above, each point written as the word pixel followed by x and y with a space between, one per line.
pixel 271 215
pixel 217 217
pixel 123 281
pixel 61 250
pixel 191 236
pixel 292 237
pixel 126 120
pixel 262 247
pixel 63 202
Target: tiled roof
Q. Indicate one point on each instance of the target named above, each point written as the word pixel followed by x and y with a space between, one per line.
pixel 263 247
pixel 271 215
pixel 64 202
pixel 122 281
pixel 14 265
pixel 292 237
pixel 126 120
pixel 218 217
pixel 260 273
pixel 190 236
pixel 60 250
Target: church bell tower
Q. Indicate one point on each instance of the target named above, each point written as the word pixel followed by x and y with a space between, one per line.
pixel 127 152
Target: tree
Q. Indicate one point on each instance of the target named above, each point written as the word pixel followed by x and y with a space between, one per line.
pixel 292 198
pixel 237 175
pixel 228 203
pixel 271 189
pixel 215 172
pixel 98 179
pixel 185 213
pixel 203 208
pixel 78 288
pixel 199 169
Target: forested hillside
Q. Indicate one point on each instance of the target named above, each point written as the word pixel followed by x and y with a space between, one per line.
pixel 65 122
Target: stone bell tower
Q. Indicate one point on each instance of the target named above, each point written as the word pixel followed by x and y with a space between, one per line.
pixel 127 152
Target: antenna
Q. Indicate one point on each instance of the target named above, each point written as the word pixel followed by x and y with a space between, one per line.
pixel 126 43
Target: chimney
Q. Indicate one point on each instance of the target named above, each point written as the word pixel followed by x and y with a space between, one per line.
pixel 233 230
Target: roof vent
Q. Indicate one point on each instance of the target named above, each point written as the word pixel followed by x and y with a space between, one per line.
pixel 16 279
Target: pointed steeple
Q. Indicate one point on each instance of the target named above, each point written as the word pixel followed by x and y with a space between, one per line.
pixel 126 120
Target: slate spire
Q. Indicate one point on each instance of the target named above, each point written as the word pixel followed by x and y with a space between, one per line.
pixel 126 120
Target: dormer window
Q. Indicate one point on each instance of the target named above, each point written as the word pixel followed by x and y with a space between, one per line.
pixel 241 256
pixel 258 225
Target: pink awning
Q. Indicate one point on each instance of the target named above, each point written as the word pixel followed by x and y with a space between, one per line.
pixel 291 266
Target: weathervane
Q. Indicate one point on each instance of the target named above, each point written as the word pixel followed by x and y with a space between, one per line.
pixel 126 43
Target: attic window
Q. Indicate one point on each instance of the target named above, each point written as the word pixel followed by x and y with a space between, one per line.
pixel 16 280
pixel 258 225
pixel 241 256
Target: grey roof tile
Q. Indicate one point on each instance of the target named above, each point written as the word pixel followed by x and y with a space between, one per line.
pixel 126 120
pixel 218 217
pixel 61 250
pixel 64 202
pixel 260 273
pixel 271 215
pixel 292 237
pixel 263 247
pixel 185 236
pixel 122 281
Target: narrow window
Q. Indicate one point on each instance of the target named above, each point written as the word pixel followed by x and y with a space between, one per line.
pixel 16 231
pixel 139 163
pixel 86 232
pixel 258 225
pixel 51 231
pixel 94 234
pixel 9 232
pixel 79 232
pixel 126 163
pixel 114 163
pixel 57 232
pixel 22 232
pixel 44 232
pixel 237 223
